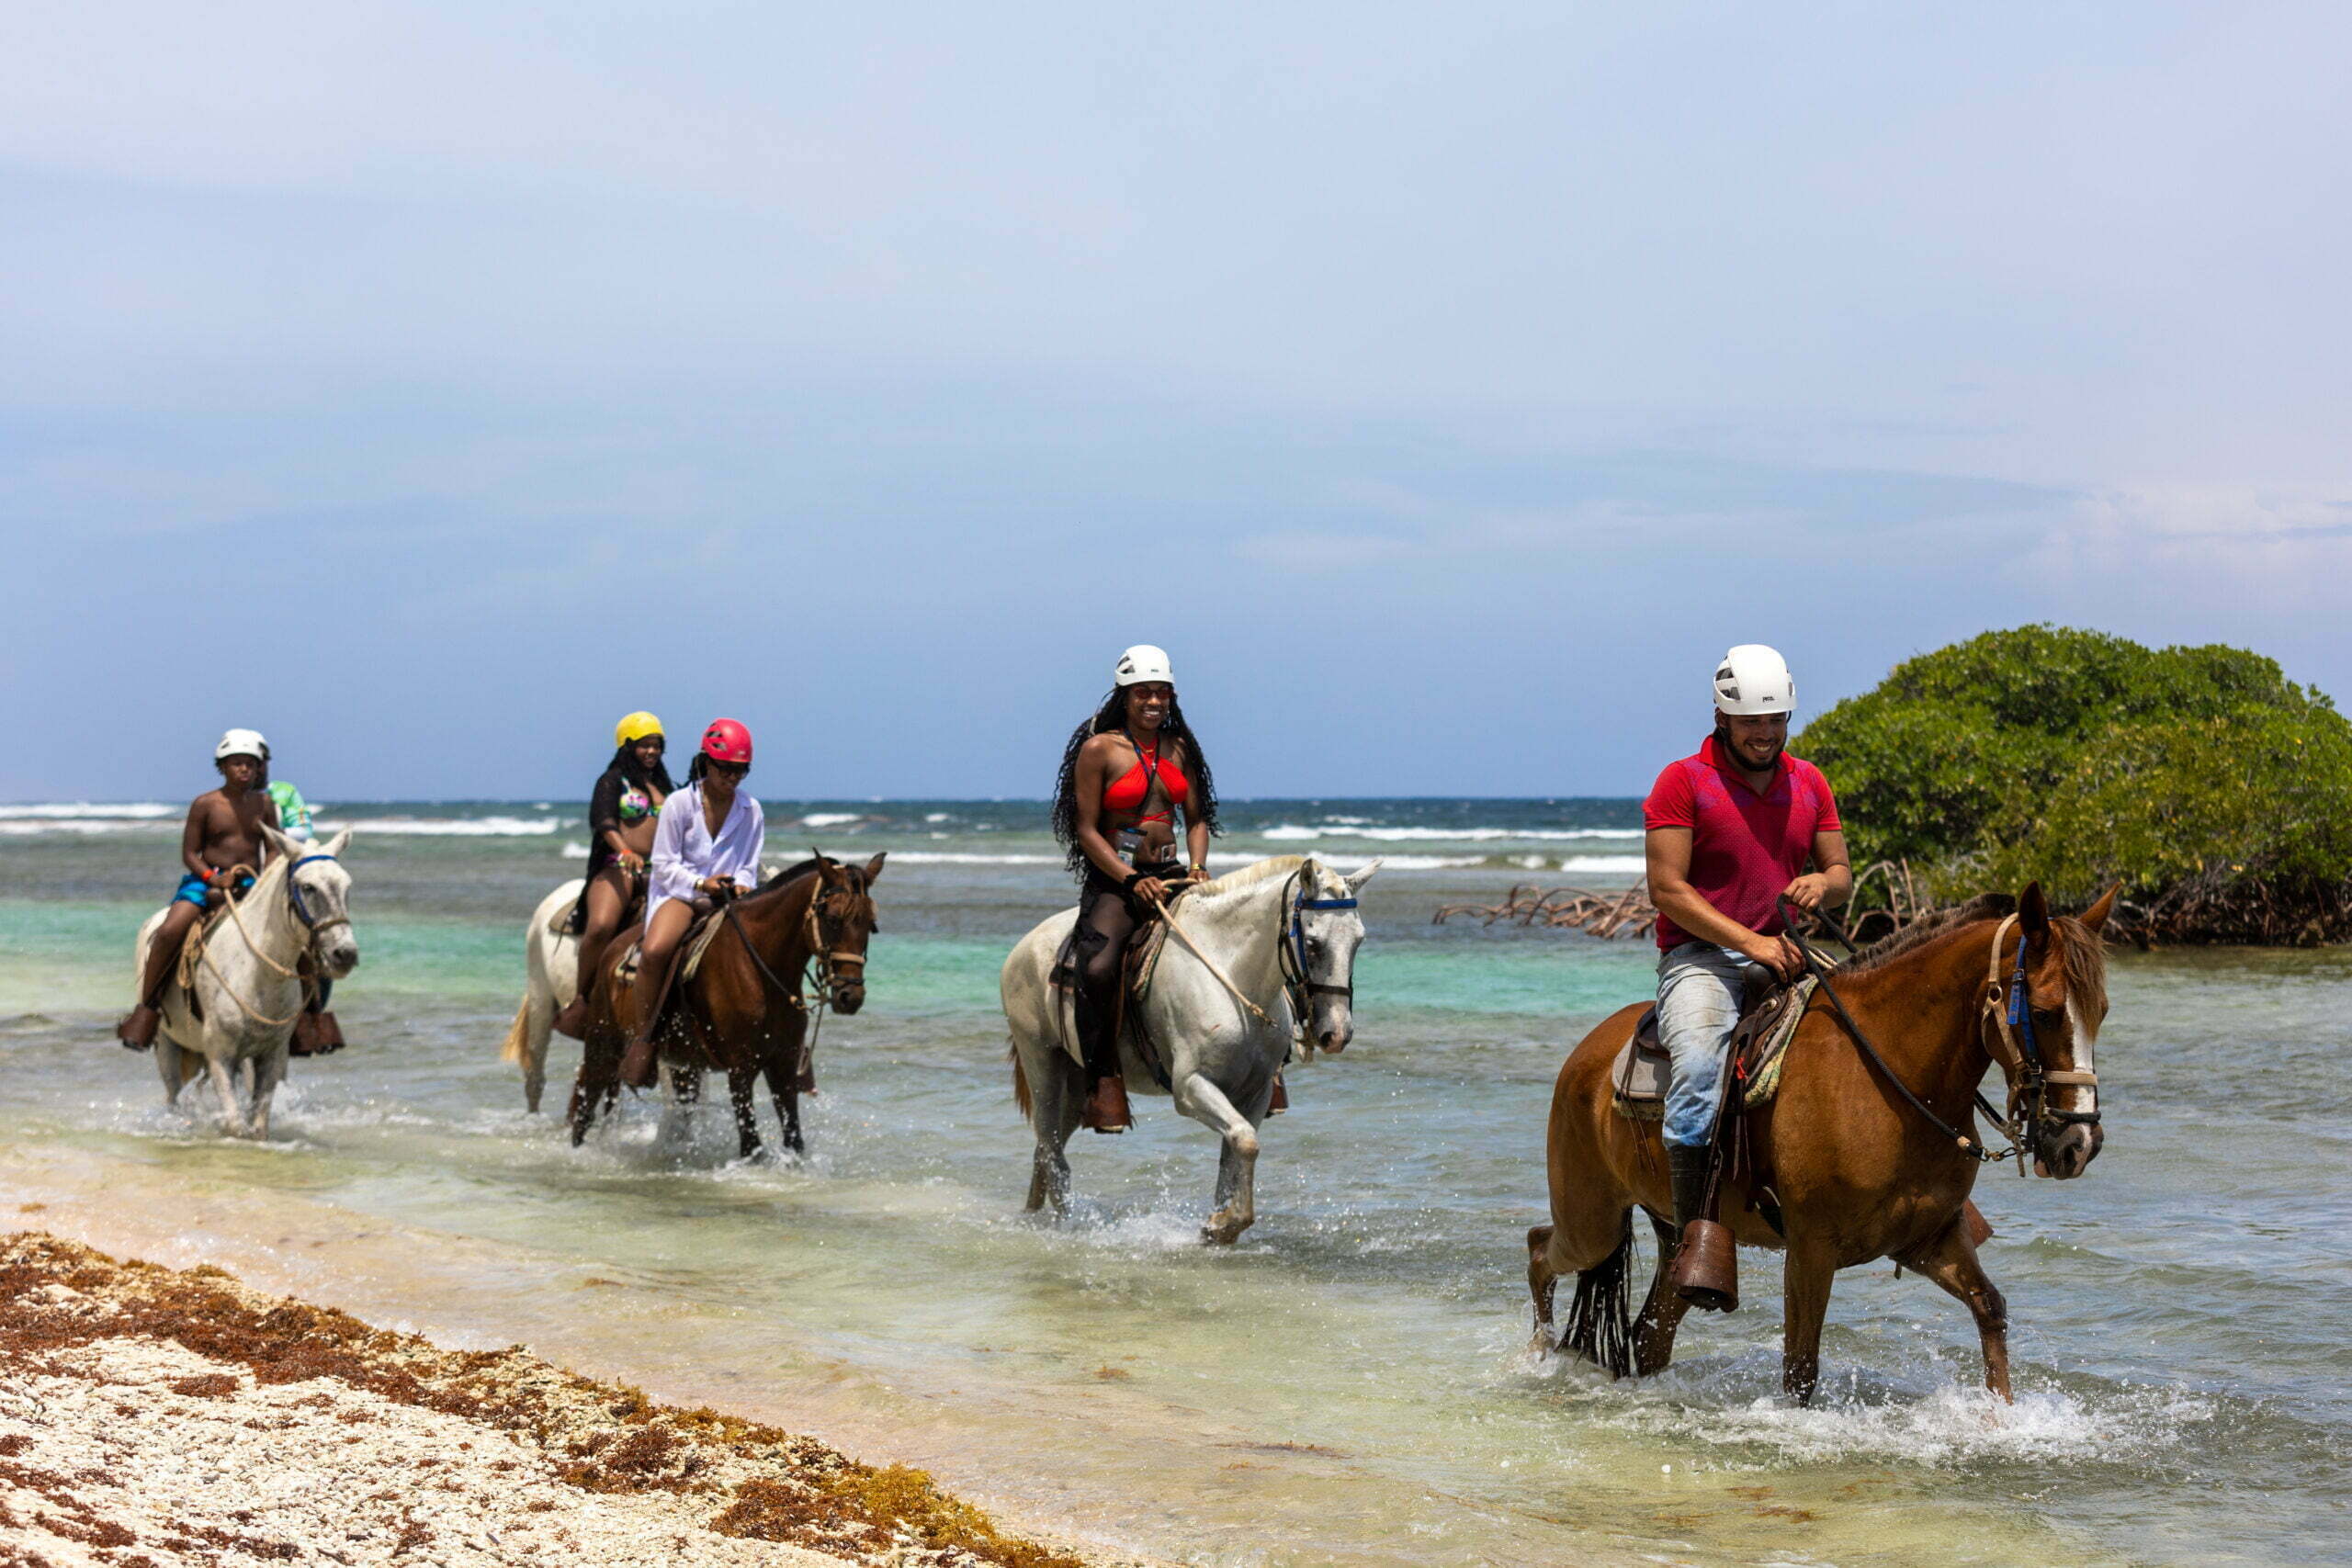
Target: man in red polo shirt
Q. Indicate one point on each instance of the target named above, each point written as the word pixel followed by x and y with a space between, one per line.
pixel 1728 830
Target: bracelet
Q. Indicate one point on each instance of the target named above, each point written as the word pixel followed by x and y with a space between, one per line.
pixel 1200 872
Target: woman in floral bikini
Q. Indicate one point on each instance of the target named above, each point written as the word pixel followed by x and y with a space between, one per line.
pixel 622 813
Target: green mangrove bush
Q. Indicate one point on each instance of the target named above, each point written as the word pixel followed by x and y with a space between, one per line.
pixel 2214 790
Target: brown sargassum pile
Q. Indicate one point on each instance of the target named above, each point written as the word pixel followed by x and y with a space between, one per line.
pixel 761 1484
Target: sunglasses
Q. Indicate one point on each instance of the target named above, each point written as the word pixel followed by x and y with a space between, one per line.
pixel 732 769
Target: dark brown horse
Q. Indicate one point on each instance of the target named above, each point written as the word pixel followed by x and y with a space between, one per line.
pixel 1860 1173
pixel 744 1013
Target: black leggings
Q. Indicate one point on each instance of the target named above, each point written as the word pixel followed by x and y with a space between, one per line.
pixel 1107 918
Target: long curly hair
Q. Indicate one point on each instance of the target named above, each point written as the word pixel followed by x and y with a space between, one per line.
pixel 1113 715
pixel 657 777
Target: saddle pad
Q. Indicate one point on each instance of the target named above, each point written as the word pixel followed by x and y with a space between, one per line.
pixel 698 937
pixel 1772 1046
pixel 1640 1073
pixel 191 957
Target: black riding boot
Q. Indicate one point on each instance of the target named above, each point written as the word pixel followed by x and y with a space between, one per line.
pixel 1688 1170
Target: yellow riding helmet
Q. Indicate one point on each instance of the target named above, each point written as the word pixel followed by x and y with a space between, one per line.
pixel 636 726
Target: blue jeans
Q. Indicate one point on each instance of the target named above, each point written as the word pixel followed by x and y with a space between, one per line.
pixel 1698 987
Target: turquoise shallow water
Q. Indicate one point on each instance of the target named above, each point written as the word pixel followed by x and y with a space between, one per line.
pixel 1349 1385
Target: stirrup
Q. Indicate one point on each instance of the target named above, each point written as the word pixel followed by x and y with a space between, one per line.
pixel 1106 1106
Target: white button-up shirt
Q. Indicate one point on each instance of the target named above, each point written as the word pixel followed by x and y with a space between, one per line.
pixel 684 852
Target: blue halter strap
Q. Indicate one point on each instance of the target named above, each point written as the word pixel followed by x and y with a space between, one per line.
pixel 2021 1010
pixel 1299 904
pixel 294 888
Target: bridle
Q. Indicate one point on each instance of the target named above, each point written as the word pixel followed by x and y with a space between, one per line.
pixel 822 971
pixel 2006 1006
pixel 825 967
pixel 317 928
pixel 2008 1017
pixel 285 972
pixel 1290 945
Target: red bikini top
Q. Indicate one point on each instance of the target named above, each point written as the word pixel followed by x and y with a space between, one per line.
pixel 1128 792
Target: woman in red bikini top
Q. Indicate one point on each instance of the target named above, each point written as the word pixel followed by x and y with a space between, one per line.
pixel 1126 776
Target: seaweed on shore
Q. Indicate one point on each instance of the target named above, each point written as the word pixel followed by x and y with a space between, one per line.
pixel 770 1484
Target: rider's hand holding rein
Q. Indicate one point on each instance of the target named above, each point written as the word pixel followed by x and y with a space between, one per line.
pixel 1812 891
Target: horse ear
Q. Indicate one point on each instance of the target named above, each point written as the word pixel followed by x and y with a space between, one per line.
pixel 2096 916
pixel 1356 879
pixel 2034 912
pixel 335 845
pixel 281 846
pixel 873 867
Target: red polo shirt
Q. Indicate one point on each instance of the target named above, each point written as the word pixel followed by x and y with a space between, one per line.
pixel 1744 847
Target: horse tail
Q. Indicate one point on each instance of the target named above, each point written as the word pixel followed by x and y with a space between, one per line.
pixel 1019 1081
pixel 517 1034
pixel 1601 1327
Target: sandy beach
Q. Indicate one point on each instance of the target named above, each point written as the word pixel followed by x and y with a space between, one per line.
pixel 152 1416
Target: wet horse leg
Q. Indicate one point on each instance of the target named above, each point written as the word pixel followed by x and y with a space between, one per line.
pixel 780 1065
pixel 1662 1313
pixel 741 1084
pixel 269 1071
pixel 598 1083
pixel 1057 1098
pixel 1950 1261
pixel 1541 1278
pixel 1236 1166
pixel 224 1084
pixel 1806 1280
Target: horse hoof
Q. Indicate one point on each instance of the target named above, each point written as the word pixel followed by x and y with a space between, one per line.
pixel 1222 1232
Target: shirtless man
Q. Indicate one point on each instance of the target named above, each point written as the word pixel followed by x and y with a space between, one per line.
pixel 223 831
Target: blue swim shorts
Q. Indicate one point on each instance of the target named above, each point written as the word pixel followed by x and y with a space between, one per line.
pixel 193 888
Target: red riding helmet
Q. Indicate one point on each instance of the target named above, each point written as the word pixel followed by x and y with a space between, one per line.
pixel 727 741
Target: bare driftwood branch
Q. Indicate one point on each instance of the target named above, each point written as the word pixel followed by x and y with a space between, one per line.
pixel 1631 913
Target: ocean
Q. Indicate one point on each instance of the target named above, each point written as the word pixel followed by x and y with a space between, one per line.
pixel 1351 1383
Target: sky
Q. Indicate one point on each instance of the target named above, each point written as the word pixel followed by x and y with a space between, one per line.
pixel 1444 387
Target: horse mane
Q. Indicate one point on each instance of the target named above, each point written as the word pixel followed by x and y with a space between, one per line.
pixel 1928 929
pixel 1248 875
pixel 788 874
pixel 2080 949
pixel 2084 952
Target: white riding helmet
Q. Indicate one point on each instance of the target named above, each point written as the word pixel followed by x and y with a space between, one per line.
pixel 242 743
pixel 1753 679
pixel 1141 663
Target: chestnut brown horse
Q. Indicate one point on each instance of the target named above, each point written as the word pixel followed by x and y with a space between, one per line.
pixel 1868 1159
pixel 744 1013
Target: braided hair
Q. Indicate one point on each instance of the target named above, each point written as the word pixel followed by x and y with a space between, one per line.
pixel 1111 716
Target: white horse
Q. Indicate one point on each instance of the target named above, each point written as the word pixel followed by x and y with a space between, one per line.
pixel 247 983
pixel 552 959
pixel 1283 932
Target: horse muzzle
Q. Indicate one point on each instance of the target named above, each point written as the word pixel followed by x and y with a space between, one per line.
pixel 340 958
pixel 2068 1152
pixel 1334 1029
pixel 848 997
